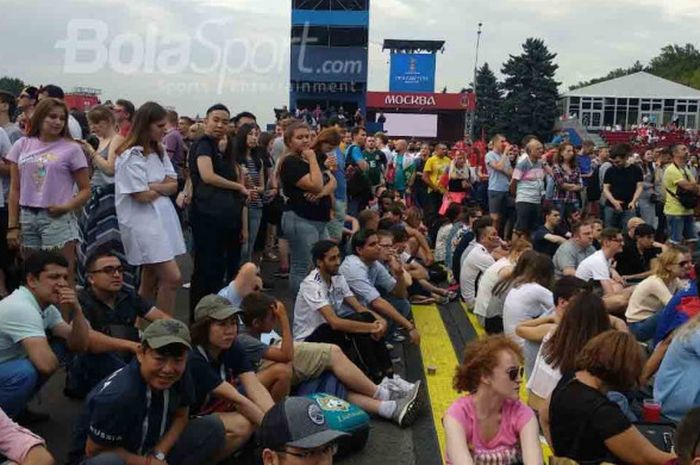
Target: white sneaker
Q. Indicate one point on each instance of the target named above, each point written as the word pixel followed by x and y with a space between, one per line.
pixel 407 408
pixel 402 383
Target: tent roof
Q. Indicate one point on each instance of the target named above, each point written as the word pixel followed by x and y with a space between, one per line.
pixel 637 85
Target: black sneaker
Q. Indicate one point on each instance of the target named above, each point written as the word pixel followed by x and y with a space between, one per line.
pixel 29 417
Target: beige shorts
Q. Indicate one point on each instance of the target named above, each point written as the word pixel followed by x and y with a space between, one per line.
pixel 310 360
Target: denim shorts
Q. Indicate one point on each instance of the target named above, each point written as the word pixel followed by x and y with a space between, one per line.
pixel 41 231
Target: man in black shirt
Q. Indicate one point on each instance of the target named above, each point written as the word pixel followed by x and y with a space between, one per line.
pixel 217 209
pixel 546 240
pixel 622 186
pixel 634 262
pixel 112 311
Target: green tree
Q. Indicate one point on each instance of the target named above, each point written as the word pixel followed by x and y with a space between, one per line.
pixel 530 102
pixel 677 63
pixel 12 85
pixel 488 101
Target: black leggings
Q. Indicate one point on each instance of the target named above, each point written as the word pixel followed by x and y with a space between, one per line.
pixel 372 357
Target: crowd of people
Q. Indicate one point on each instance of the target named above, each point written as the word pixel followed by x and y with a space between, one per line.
pixel 576 260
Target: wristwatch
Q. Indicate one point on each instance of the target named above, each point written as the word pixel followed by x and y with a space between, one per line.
pixel 158 455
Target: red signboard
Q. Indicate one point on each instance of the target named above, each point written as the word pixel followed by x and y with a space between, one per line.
pixel 421 101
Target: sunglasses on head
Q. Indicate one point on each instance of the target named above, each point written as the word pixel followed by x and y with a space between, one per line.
pixel 515 373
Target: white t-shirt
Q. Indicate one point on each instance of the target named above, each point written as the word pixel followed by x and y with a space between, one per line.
pixel 315 294
pixel 526 302
pixel 544 377
pixel 649 297
pixel 595 267
pixel 486 285
pixel 473 266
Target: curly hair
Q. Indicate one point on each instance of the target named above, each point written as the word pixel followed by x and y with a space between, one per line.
pixel 480 359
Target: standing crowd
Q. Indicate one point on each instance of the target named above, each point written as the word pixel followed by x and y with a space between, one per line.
pixel 576 260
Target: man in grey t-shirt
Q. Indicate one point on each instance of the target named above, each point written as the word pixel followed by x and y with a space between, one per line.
pixel 572 252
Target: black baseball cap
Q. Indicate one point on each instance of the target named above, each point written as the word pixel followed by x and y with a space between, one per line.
pixel 296 422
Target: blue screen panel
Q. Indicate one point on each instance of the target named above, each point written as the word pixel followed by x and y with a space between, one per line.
pixel 412 72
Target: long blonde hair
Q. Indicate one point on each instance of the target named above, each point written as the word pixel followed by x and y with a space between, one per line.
pixel 660 266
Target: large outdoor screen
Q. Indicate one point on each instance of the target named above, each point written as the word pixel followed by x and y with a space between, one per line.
pixel 408 124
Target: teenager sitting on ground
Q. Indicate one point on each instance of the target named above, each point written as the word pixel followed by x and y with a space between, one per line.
pixel 669 272
pixel 491 425
pixel 597 267
pixel 611 361
pixel 26 316
pixel 450 219
pixel 326 310
pixel 576 320
pixel 218 364
pixel 477 260
pixel 112 311
pixel 393 399
pixel 396 242
pixel 676 386
pixel 634 262
pixel 377 288
pixel 501 269
pixel 121 425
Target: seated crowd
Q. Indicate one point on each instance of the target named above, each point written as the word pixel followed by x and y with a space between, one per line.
pixel 547 249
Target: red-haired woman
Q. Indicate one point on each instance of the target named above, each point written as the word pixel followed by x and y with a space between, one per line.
pixel 490 425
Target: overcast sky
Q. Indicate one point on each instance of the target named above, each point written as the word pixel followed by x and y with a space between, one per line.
pixel 183 43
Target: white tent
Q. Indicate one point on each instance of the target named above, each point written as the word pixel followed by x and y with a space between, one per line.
pixel 626 100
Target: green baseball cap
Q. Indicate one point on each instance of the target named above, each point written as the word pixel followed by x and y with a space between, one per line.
pixel 161 333
pixel 215 307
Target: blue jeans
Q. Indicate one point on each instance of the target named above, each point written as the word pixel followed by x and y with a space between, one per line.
pixel 19 381
pixel 86 370
pixel 302 234
pixel 616 219
pixel 254 219
pixel 403 306
pixel 336 225
pixel 681 227
pixel 646 329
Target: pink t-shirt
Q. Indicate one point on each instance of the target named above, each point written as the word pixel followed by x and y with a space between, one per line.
pixel 502 449
pixel 46 170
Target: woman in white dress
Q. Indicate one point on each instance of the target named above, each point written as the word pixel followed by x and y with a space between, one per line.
pixel 151 233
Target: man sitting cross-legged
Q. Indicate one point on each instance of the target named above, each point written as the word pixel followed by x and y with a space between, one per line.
pixel 309 360
pixel 112 311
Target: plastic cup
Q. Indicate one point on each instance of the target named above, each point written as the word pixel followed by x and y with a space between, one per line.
pixel 651 411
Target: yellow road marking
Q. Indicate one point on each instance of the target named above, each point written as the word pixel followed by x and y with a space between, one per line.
pixel 437 351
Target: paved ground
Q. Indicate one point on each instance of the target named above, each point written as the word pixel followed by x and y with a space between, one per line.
pixel 387 445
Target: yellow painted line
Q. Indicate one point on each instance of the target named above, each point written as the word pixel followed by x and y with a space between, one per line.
pixel 437 351
pixel 478 329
